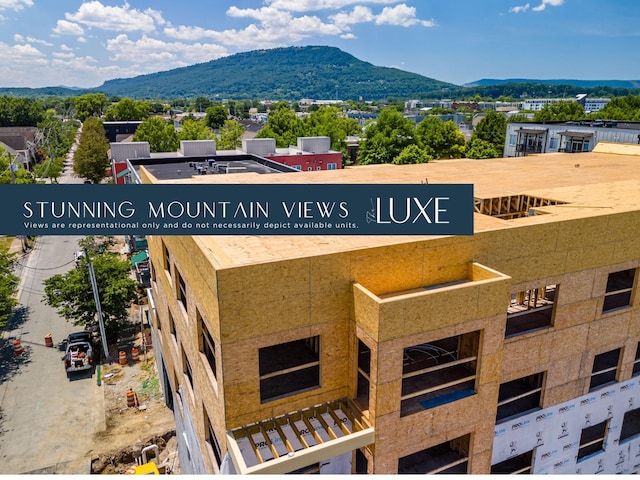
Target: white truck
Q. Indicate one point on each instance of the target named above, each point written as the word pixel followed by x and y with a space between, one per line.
pixel 78 356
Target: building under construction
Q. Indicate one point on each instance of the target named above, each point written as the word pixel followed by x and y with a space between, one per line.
pixel 510 351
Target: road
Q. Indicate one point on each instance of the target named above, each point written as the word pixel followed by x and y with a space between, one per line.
pixel 47 421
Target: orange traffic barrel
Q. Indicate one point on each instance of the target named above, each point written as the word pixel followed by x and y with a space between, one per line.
pixel 131 398
pixel 122 358
pixel 48 340
pixel 17 347
pixel 134 354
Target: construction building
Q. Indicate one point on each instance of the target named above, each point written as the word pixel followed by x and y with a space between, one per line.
pixel 511 350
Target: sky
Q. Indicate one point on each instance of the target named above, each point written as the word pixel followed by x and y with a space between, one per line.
pixel 79 43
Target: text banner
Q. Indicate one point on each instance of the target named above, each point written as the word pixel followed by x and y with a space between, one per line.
pixel 335 209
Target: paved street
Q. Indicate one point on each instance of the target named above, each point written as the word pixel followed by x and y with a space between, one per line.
pixel 46 421
pixel 46 418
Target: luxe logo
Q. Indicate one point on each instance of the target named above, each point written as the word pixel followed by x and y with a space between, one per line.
pixel 399 211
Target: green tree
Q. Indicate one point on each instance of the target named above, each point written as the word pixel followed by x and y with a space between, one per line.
pixel 215 117
pixel 192 129
pixel 128 109
pixel 620 108
pixel 7 164
pixel 440 139
pixel 51 169
pixel 91 160
pixel 71 293
pixel 230 136
pixel 8 287
pixel 284 126
pixel 386 137
pixel 329 122
pixel 162 137
pixel 20 111
pixel 491 129
pixel 90 105
pixel 478 148
pixel 200 104
pixel 561 111
pixel 412 154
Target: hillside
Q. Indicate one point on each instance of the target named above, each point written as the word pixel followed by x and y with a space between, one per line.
pixel 572 82
pixel 291 73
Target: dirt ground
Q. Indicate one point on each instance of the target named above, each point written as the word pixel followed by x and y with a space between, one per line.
pixel 150 421
pixel 130 429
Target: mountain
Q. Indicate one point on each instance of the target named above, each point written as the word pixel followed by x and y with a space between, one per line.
pixel 574 83
pixel 292 73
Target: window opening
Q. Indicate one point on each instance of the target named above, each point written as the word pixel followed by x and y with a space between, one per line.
pixel 289 368
pixel 517 465
pixel 592 440
pixel 618 291
pixel 520 396
pixel 530 310
pixel 364 370
pixel 439 372
pixel 448 457
pixel 605 368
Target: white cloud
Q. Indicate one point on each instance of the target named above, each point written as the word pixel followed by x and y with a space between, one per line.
pixel 15 4
pixel 401 15
pixel 159 55
pixel 520 8
pixel 63 55
pixel 63 27
pixel 315 5
pixel 359 14
pixel 120 19
pixel 551 3
pixel 21 39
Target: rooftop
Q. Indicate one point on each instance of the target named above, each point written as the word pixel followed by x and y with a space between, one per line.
pixel 573 186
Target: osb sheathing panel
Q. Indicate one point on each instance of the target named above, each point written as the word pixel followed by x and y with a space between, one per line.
pixel 240 363
pixel 564 392
pixel 578 287
pixel 388 269
pixel 366 311
pixel 610 331
pixel 564 371
pixel 387 399
pixel 568 342
pixel 634 322
pixel 521 356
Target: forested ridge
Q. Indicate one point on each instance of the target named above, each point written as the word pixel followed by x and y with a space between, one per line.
pixel 318 72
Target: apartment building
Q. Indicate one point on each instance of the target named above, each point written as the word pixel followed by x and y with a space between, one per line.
pixel 572 137
pixel 511 350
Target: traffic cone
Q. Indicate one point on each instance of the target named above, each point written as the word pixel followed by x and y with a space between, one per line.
pixel 131 398
pixel 17 347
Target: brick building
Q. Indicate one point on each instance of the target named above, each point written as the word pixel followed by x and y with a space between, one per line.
pixel 512 350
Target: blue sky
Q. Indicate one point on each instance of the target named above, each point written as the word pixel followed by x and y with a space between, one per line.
pixel 84 43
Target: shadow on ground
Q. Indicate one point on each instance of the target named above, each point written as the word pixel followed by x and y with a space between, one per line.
pixel 10 362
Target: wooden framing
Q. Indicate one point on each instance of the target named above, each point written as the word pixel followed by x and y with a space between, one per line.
pixel 511 206
pixel 312 435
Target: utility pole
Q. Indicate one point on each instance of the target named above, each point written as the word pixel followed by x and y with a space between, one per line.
pixel 12 169
pixel 96 297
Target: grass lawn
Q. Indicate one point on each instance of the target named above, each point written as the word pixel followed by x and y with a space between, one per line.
pixel 5 243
